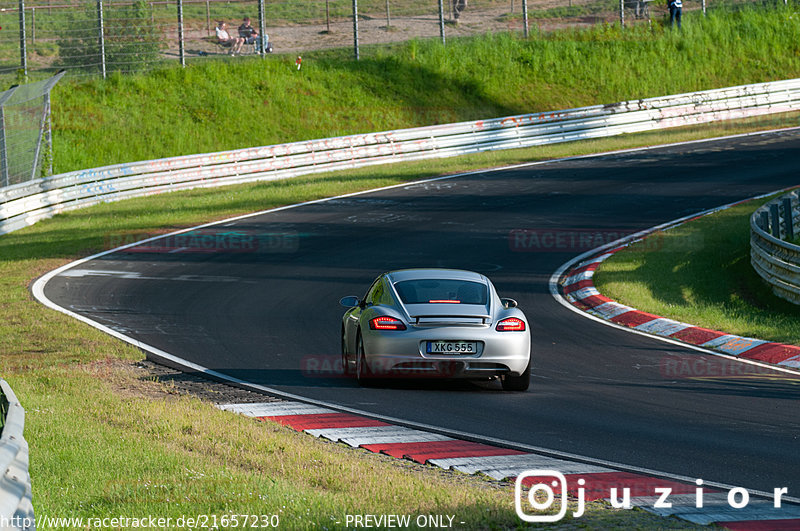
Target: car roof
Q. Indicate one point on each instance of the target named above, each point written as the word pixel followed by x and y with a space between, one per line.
pixel 435 273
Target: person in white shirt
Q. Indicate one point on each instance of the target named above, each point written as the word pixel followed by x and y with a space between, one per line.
pixel 224 38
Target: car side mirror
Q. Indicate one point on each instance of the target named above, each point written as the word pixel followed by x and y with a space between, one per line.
pixel 350 302
pixel 508 303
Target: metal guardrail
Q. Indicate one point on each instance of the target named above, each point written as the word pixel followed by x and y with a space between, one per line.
pixel 16 506
pixel 24 204
pixel 774 258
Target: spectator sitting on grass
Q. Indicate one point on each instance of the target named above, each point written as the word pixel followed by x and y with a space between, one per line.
pixel 224 38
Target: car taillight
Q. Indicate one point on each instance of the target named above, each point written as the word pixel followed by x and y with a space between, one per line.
pixel 386 323
pixel 511 324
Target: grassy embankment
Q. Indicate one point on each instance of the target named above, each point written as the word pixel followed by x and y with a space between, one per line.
pixel 105 442
pixel 230 104
pixel 700 273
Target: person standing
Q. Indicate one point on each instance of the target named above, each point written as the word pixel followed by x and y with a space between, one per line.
pixel 675 8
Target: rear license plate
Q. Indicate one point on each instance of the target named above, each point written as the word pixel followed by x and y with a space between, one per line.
pixel 452 347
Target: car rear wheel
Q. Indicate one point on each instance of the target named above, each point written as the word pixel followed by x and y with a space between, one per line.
pixel 363 374
pixel 517 383
pixel 345 359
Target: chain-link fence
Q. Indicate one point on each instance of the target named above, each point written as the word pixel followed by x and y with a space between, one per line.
pixel 92 37
pixel 25 134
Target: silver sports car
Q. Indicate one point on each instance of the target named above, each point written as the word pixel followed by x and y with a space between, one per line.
pixel 435 322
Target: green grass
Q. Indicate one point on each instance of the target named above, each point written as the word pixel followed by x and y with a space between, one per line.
pixel 700 273
pixel 141 449
pixel 220 105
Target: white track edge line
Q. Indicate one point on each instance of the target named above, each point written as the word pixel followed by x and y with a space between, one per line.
pixel 38 292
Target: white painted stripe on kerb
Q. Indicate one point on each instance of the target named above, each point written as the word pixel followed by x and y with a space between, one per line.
pixel 518 462
pixel 755 510
pixel 334 434
pixel 716 508
pixel 662 327
pixel 584 292
pixel 412 437
pixel 564 467
pixel 609 310
pixel 275 409
pixel 601 258
pixel 580 277
pixel 791 362
pixel 733 344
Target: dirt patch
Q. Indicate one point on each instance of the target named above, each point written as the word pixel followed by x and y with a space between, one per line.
pixel 299 38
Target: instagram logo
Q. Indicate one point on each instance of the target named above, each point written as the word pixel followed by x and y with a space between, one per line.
pixel 544 489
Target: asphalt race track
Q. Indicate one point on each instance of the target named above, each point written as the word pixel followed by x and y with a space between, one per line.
pixel 271 315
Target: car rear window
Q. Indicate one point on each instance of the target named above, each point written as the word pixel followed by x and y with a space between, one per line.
pixel 441 291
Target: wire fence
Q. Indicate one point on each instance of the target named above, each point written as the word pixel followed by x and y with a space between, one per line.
pixel 25 134
pixel 97 37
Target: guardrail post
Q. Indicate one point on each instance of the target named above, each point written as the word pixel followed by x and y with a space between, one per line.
pixel 776 220
pixel 101 37
pixel 181 51
pixel 355 28
pixel 525 16
pixel 787 218
pixel 23 51
pixel 441 20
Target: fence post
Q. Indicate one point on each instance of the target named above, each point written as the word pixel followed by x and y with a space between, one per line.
pixel 525 16
pixel 4 179
pixel 355 28
pixel 622 13
pixel 441 20
pixel 43 123
pixel 208 18
pixel 101 37
pixel 181 49
pixel 787 218
pixel 388 16
pixel 704 7
pixel 23 52
pixel 262 29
